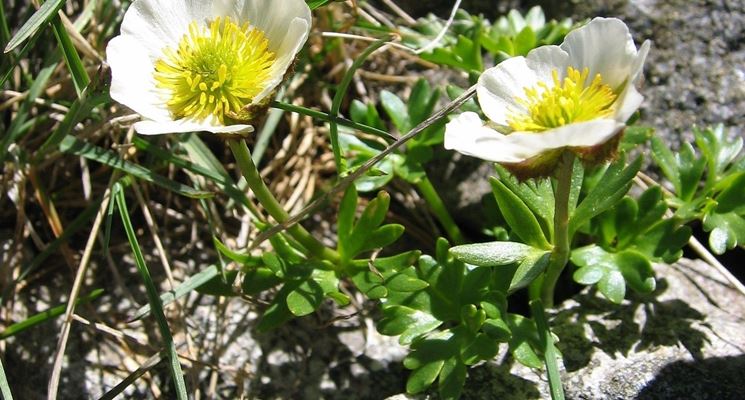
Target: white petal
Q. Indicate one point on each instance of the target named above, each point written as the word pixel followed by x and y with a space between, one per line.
pixel 605 47
pixel 286 24
pixel 500 87
pixel 157 24
pixel 638 66
pixel 274 18
pixel 148 127
pixel 627 103
pixel 132 82
pixel 546 59
pixel 630 99
pixel 467 134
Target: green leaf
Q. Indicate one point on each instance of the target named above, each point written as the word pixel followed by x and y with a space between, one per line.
pixel 78 147
pixel 78 73
pixel 613 286
pixel 308 296
pixel 181 290
pixel 423 377
pixel 313 4
pixel 153 298
pixel 497 330
pixel 727 231
pixel 244 259
pixel 732 198
pixel 345 221
pixel 217 287
pixel 519 217
pixel 43 15
pixel 407 322
pixel 613 271
pixel 372 216
pixel 4 387
pixel 277 313
pixel 690 169
pixel 637 271
pixel 524 341
pixel 529 269
pixel 493 254
pixel 405 283
pixel 525 41
pixel 305 298
pixel 396 110
pixel 370 283
pixel 634 136
pixel 452 379
pixel 47 315
pixel 382 237
pixel 422 101
pixel 615 183
pixel 665 159
pixel 537 194
pixel 257 280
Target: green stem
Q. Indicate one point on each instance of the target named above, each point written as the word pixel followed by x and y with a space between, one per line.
pixel 560 253
pixel 322 116
pixel 550 355
pixel 341 90
pixel 438 208
pixel 271 205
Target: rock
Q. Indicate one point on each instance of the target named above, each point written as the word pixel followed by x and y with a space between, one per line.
pixel 695 72
pixel 685 341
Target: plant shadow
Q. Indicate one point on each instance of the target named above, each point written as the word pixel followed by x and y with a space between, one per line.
pixel 641 323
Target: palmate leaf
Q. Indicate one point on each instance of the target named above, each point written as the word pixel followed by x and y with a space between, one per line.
pixel 612 272
pixel 366 233
pixel 720 202
pixel 457 319
pixel 629 237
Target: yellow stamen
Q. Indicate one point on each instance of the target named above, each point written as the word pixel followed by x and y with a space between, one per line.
pixel 563 103
pixel 215 71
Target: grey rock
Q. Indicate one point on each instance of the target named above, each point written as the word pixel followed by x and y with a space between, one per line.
pixel 685 341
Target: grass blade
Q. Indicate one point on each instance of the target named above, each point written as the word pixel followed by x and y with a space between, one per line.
pixel 153 298
pixel 43 15
pixel 16 129
pixel 218 176
pixel 341 90
pixel 78 147
pixel 80 109
pixel 47 315
pixel 181 290
pixel 131 378
pixel 79 222
pixel 4 387
pixel 77 71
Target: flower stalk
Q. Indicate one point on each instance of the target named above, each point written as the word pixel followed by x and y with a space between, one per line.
pixel 561 239
pixel 271 205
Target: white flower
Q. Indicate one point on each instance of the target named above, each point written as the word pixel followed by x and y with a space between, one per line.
pixel 575 96
pixel 203 65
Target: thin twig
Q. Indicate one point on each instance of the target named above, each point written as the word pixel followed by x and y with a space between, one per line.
pixel 442 32
pixel 364 39
pixel 77 284
pixel 401 13
pixel 349 179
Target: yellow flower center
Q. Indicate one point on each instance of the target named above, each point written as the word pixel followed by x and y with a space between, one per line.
pixel 563 103
pixel 214 71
